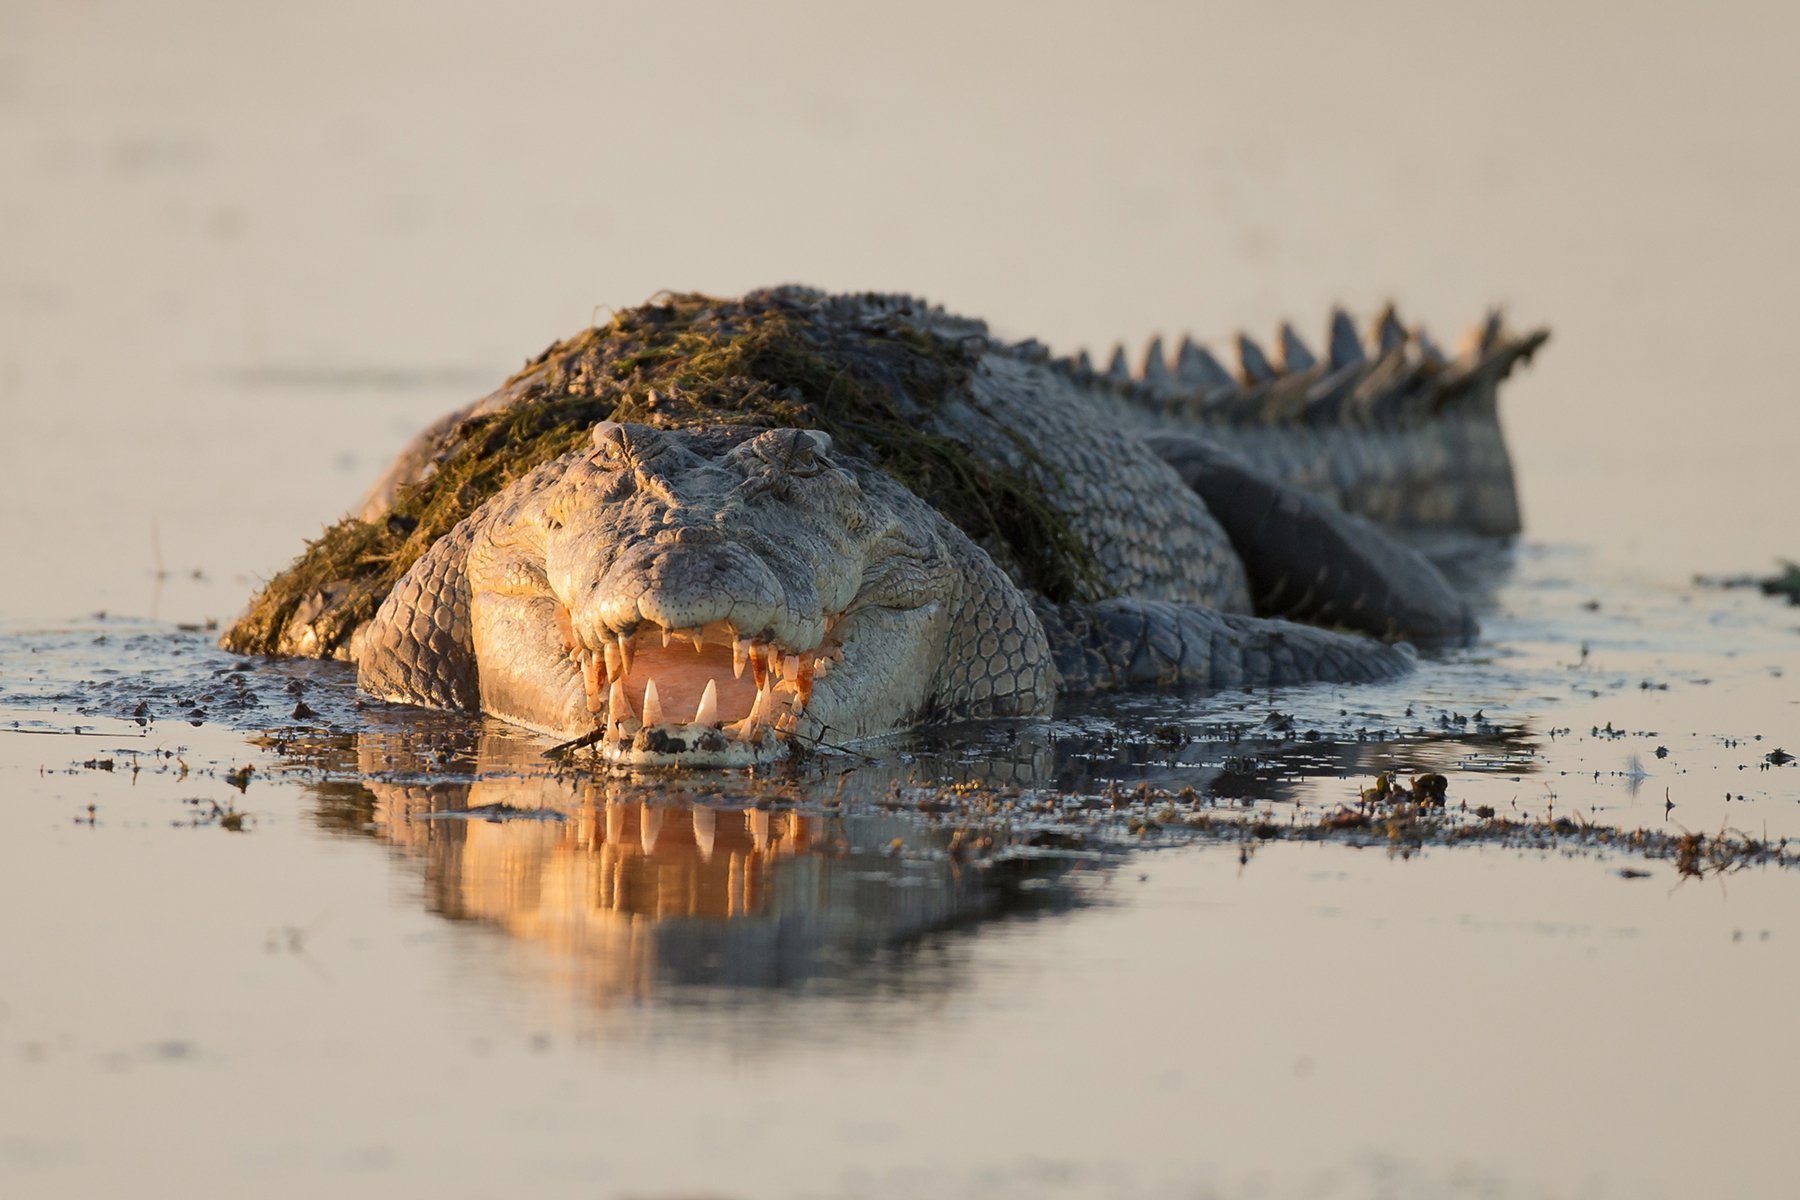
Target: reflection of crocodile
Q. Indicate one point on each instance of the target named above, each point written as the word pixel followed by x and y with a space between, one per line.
pixel 712 526
pixel 644 887
pixel 638 888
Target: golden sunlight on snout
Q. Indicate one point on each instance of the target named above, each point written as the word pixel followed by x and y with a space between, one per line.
pixel 707 691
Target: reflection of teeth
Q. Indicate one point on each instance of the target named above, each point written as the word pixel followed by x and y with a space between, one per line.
pixel 704 826
pixel 708 712
pixel 652 711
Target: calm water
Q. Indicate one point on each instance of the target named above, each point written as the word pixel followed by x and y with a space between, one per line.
pixel 244 254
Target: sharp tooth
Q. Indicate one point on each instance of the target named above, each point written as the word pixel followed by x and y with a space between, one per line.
pixel 759 664
pixel 699 637
pixel 740 654
pixel 593 681
pixel 625 654
pixel 708 712
pixel 652 707
pixel 803 685
pixel 790 666
pixel 613 661
pixel 667 635
pixel 618 704
pixel 785 723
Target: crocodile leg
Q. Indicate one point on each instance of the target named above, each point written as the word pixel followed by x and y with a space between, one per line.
pixel 419 647
pixel 1123 642
pixel 1309 560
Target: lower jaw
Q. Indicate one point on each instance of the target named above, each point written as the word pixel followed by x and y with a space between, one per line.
pixel 691 746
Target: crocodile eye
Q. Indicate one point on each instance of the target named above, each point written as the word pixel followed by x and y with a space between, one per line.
pixel 610 451
pixel 803 450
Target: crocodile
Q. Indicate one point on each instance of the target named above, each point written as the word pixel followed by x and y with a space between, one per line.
pixel 713 530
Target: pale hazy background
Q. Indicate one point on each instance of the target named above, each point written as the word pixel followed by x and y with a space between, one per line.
pixel 246 248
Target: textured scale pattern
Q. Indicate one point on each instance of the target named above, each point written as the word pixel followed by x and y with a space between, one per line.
pixel 1151 536
pixel 1126 643
pixel 420 645
pixel 1201 493
pixel 997 661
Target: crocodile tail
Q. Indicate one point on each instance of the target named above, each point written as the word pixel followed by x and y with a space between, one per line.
pixel 1383 422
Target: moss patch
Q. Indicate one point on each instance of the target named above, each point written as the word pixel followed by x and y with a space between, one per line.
pixel 768 360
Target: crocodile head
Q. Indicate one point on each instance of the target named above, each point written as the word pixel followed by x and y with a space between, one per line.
pixel 710 596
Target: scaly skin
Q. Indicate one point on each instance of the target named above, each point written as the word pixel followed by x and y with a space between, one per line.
pixel 755 587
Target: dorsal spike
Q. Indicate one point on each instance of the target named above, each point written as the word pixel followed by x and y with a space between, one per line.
pixel 1428 348
pixel 1196 367
pixel 1253 365
pixel 1118 370
pixel 1387 334
pixel 1493 331
pixel 1083 365
pixel 1295 355
pixel 1345 347
pixel 1326 398
pixel 1155 371
pixel 1480 339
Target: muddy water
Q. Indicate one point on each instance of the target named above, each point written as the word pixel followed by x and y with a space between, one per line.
pixel 243 254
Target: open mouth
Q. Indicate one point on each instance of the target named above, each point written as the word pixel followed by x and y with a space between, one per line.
pixel 663 695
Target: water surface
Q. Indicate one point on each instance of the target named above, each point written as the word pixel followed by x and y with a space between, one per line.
pixel 245 253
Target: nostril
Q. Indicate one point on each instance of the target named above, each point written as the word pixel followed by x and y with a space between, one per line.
pixel 689 535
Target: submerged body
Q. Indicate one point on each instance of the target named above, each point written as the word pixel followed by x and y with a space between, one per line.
pixel 715 528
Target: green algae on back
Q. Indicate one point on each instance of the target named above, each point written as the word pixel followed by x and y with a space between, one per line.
pixel 685 360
